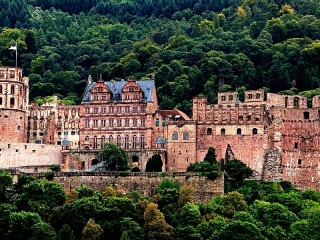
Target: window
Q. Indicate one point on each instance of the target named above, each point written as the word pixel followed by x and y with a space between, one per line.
pixel 254 131
pixel 95 123
pixel 135 109
pixel 111 109
pixel 258 95
pixel 110 139
pixel 0 89
pixel 87 123
pixel 103 110
pixel 103 141
pixel 174 136
pixel 299 162
pixel 96 110
pixel 143 122
pixel 0 100
pixel 126 142
pixel 103 123
pixel 143 109
pixel 296 102
pixel 135 97
pixel 157 122
pixel 118 141
pixel 134 141
pixel 95 98
pixel 296 145
pixel 87 110
pixel 73 133
pixel 223 98
pixel 240 118
pixel 119 109
pixel 11 102
pixel 250 96
pixel 119 121
pixel 209 131
pixel 164 123
pixel 142 141
pixel 110 122
pixel 135 122
pixel 126 122
pixel 306 115
pixel 239 131
pixel 95 142
pixel 223 131
pixel 103 98
pixel 127 109
pixel 248 117
pixel 286 102
pixel 230 98
pixel 185 136
pixel 1 73
pixel 12 74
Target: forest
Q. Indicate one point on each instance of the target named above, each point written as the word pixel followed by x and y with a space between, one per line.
pixel 39 209
pixel 189 47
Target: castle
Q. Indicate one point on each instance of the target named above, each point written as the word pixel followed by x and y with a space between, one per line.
pixel 276 135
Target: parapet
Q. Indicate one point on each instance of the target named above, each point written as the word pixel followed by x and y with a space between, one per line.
pixel 254 96
pixel 227 97
pixel 286 101
pixel 316 101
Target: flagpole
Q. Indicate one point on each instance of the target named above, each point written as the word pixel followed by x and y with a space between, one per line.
pixel 16 54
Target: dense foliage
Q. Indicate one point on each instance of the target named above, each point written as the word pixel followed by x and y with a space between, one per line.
pixel 39 209
pixel 190 47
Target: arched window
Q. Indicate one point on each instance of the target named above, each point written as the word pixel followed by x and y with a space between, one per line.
pixel 185 136
pixel 118 141
pixel 103 141
pixel 209 131
pixel 296 102
pixel 239 131
pixel 66 124
pixel 254 131
pixel 12 74
pixel 110 139
pixel 174 136
pixel 223 131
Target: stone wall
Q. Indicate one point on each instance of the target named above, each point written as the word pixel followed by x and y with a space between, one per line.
pixel 145 183
pixel 19 155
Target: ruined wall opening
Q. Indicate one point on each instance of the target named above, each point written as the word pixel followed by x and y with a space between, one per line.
pixel 299 162
pixel 296 102
pixel 94 162
pixel 209 131
pixel 154 164
pixel 239 131
pixel 135 169
pixel 135 158
pixel 306 115
pixel 254 131
pixel 223 131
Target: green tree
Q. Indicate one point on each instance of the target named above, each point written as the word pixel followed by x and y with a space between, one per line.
pixel 154 164
pixel 92 231
pixel 131 229
pixel 21 224
pixel 6 183
pixel 155 224
pixel 114 158
pixel 237 171
pixel 41 231
pixel 233 202
pixel 66 233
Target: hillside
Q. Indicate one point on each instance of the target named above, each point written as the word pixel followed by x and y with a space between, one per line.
pixel 189 47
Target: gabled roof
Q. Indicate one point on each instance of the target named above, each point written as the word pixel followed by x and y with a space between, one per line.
pixel 174 114
pixel 116 86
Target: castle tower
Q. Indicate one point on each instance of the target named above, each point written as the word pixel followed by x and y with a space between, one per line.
pixel 14 95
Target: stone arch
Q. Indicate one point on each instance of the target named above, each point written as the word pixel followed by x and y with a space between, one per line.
pixel 94 162
pixel 154 164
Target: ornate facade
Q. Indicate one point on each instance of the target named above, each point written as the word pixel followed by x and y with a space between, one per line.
pixel 276 135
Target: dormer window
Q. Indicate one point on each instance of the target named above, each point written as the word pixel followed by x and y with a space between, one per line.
pixel 131 88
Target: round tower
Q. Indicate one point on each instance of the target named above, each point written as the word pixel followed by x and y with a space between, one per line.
pixel 14 95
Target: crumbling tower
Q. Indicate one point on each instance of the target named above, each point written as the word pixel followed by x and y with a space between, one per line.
pixel 14 95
